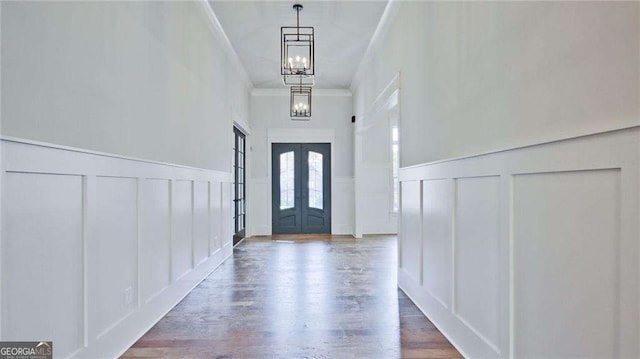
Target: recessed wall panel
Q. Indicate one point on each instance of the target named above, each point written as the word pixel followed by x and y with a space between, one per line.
pixel 342 210
pixel 227 212
pixel 215 214
pixel 376 211
pixel 477 256
pixel 566 237
pixel 377 179
pixel 200 221
pixel 115 250
pixel 436 239
pixel 155 237
pixel 410 245
pixel 42 260
pixel 181 245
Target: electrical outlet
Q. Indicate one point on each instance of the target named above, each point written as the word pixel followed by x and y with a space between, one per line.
pixel 128 296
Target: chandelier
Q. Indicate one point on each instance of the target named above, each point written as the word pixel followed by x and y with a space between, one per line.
pixel 296 50
pixel 297 65
pixel 300 101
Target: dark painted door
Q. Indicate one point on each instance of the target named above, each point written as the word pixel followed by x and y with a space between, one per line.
pixel 301 189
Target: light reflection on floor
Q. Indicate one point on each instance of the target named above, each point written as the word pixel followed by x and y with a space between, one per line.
pixel 299 299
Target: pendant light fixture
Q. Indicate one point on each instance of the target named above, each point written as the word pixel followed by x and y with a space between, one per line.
pixel 300 102
pixel 297 55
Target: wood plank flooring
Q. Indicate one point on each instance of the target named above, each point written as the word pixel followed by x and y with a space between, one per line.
pixel 335 297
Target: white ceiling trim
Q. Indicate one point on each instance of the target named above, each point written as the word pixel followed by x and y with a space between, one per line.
pixel 228 48
pixel 388 15
pixel 286 92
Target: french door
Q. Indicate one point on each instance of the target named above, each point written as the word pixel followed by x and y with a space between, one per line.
pixel 239 176
pixel 301 188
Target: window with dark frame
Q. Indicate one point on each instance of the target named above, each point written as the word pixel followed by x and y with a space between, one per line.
pixel 239 165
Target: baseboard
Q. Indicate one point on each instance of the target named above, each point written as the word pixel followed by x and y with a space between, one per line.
pixel 412 290
pixel 341 229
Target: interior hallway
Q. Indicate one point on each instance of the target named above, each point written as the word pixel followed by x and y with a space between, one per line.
pixel 335 297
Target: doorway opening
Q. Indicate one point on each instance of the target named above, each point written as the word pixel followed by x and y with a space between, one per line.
pixel 301 188
pixel 239 180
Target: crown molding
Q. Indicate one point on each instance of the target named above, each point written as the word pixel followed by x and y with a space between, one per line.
pixel 218 31
pixel 390 12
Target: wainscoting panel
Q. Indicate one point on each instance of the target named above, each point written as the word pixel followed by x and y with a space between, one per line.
pixel 378 179
pixel 200 221
pixel 411 248
pixel 476 256
pixel 376 210
pixel 572 220
pixel 342 213
pixel 529 252
pixel 42 260
pixel 215 215
pixel 182 243
pixel 114 233
pixel 375 193
pixel 155 238
pixel 227 213
pixel 437 198
pixel 261 207
pixel 96 248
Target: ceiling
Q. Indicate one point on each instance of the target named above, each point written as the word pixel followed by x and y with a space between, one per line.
pixel 343 30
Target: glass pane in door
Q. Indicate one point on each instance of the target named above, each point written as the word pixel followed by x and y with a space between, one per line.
pixel 287 185
pixel 315 180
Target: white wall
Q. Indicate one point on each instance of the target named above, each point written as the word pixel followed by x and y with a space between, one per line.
pixel 523 251
pixel 151 80
pixel 482 76
pixel 97 246
pixel 332 111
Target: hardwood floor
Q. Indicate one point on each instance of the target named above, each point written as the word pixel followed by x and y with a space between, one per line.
pixel 335 297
